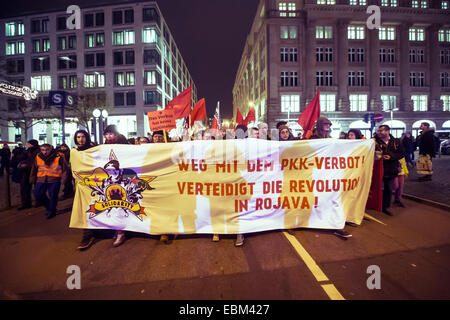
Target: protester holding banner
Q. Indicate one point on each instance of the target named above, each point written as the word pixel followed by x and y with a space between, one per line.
pixel 112 136
pixel 354 134
pixel 392 151
pixel 323 131
pixel 83 142
pixel 284 133
pixel 48 172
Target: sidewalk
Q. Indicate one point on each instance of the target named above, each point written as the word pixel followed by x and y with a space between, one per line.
pixel 438 189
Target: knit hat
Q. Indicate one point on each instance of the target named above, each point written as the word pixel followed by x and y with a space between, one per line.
pixel 34 142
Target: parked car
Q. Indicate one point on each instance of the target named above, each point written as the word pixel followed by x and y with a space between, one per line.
pixel 445 147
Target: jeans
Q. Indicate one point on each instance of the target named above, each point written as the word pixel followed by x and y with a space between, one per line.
pixel 50 202
pixel 388 187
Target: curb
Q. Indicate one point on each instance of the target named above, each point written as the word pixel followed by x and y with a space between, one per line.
pixel 431 203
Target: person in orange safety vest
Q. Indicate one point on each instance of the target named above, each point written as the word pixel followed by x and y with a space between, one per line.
pixel 49 170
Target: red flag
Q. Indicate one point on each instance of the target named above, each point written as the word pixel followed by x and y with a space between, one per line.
pixel 310 115
pixel 215 125
pixel 199 111
pixel 250 116
pixel 239 119
pixel 181 104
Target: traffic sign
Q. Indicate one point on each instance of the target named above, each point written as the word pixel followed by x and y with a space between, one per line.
pixel 378 117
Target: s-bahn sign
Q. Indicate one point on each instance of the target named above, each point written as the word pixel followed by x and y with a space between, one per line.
pixel 21 92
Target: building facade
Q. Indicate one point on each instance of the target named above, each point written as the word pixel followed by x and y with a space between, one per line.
pixel 400 70
pixel 123 58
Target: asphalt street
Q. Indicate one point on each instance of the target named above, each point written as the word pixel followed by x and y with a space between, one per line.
pixel 411 249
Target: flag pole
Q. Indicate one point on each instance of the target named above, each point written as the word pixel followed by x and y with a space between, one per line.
pixel 165 136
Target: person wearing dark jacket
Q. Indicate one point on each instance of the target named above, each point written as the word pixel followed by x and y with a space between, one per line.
pixel 322 130
pixel 426 145
pixel 83 142
pixel 392 152
pixel 64 151
pixel 24 169
pixel 409 146
pixel 5 154
pixel 48 172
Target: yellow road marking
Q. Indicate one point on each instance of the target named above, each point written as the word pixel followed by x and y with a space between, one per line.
pixel 374 219
pixel 320 276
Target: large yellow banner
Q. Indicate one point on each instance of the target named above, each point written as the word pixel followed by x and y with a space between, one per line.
pixel 225 187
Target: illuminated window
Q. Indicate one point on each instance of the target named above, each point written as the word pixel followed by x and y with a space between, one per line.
pixel 444 35
pixel 357 2
pixel 423 4
pixel 328 2
pixel 444 5
pixel 389 3
pixel 14 29
pixel 123 37
pixel 445 103
pixel 389 102
pixel 324 32
pixel 416 34
pixel 288 32
pixel 290 103
pixel 13 48
pixel 355 32
pixel 358 102
pixel 150 35
pixel 420 102
pixel 41 83
pixel 327 102
pixel 386 33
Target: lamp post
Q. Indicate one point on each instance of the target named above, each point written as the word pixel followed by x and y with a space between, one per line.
pixel 102 115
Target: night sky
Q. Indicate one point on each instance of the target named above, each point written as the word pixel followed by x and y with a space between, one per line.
pixel 210 35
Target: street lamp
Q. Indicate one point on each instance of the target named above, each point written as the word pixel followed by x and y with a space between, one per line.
pixel 102 115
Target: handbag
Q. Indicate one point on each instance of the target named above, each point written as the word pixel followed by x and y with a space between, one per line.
pixel 424 165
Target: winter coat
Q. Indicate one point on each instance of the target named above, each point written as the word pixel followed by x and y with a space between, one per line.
pixel 394 149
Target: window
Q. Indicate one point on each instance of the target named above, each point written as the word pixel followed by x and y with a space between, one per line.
pixel 88 20
pixel 444 5
pixel 356 78
pixel 15 66
pixel 445 79
pixel 40 64
pixel 119 99
pixel 327 102
pixel 445 56
pixel 357 2
pixel 284 54
pixel 124 79
pixel 420 102
pixel 387 55
pixel 13 29
pixel 61 23
pixel 117 17
pixel 289 79
pixel 287 9
pixel 423 4
pixel 150 35
pixel 288 32
pixel 39 26
pixel 324 32
pixel 290 103
pixel 129 57
pixel 386 33
pixel 13 48
pixel 129 16
pixel 324 54
pixel 389 102
pixel 444 35
pixel 152 57
pixel 150 15
pixel 67 42
pixel 416 55
pixel 62 82
pixel 152 77
pixel 152 97
pixel 123 37
pixel 445 103
pixel 417 79
pixel 67 62
pixel 387 79
pixel 355 32
pixel 324 78
pixel 358 102
pixel 41 83
pixel 96 80
pixel 94 59
pixel 99 19
pixel 328 2
pixel 389 3
pixel 416 34
pixel 73 82
pixel 356 54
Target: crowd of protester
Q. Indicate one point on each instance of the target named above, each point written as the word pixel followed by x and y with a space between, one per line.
pixel 48 169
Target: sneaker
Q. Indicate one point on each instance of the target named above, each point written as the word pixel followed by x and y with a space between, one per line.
pixel 119 239
pixel 215 237
pixel 85 243
pixel 342 234
pixel 164 238
pixel 239 240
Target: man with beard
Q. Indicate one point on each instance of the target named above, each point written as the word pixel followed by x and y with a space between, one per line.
pixel 48 171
